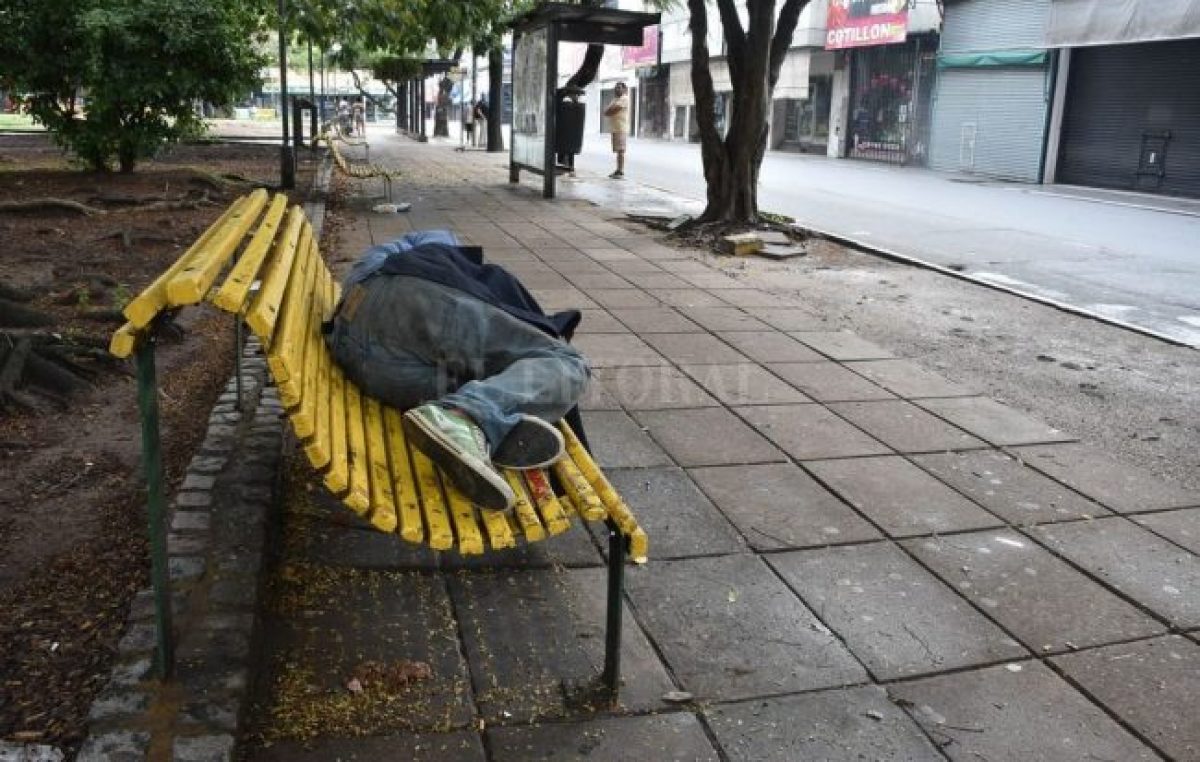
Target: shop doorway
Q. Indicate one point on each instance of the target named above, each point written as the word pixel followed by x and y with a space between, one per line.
pixel 891 90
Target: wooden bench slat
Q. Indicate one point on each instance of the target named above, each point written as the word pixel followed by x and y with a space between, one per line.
pixel 524 512
pixel 192 283
pixel 359 495
pixel 233 293
pixel 124 341
pixel 404 486
pixel 437 521
pixel 264 310
pixel 304 418
pixel 553 517
pixel 318 448
pixel 337 478
pixel 585 499
pixel 145 306
pixel 462 514
pixel 285 354
pixel 616 508
pixel 499 530
pixel 383 514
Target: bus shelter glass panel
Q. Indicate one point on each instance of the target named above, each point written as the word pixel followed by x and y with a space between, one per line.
pixel 529 100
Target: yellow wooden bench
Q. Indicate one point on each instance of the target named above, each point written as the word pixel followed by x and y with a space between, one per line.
pixel 358 170
pixel 277 282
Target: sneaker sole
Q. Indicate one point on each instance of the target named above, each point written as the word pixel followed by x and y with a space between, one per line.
pixel 531 444
pixel 476 480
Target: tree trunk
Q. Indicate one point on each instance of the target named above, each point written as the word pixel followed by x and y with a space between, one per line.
pixel 402 108
pixel 495 116
pixel 441 115
pixel 732 162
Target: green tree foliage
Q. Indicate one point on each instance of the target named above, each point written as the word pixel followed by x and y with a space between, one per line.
pixel 115 80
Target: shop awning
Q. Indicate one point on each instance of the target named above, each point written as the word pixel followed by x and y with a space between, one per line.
pixel 994 58
pixel 1075 23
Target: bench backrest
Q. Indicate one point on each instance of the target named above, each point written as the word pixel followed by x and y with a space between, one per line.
pixel 279 284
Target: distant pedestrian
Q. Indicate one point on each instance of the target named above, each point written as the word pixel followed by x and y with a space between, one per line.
pixel 618 124
pixel 360 117
pixel 468 123
pixel 481 119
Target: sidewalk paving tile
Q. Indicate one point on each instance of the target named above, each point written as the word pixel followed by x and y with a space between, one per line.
pixel 707 437
pixel 842 345
pixel 899 497
pixel 999 424
pixel 780 506
pixel 1043 601
pixel 535 643
pixel 562 298
pixel 631 268
pixel 608 350
pixel 1123 488
pixel 905 427
pixel 676 515
pixel 846 725
pixel 907 379
pixel 1006 487
pixel 682 298
pixel 789 318
pixel 673 737
pixel 770 346
pixel 829 382
pixel 614 298
pixel 573 548
pixel 337 620
pixel 338 540
pixel 609 254
pixel 725 319
pixel 712 280
pixel 1157 574
pixel 1020 712
pixel 597 397
pixel 809 432
pixel 689 265
pixel 744 384
pixel 655 320
pixel 1154 685
pixel 659 387
pixel 895 616
pixel 731 630
pixel 752 297
pixel 599 321
pixel 457 746
pixel 587 282
pixel 693 348
pixel 658 280
pixel 1180 527
pixel 617 441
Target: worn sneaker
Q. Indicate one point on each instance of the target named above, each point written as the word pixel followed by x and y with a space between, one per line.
pixel 617 175
pixel 453 441
pixel 532 443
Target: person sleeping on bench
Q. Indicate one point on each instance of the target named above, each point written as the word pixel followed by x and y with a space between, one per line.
pixel 463 348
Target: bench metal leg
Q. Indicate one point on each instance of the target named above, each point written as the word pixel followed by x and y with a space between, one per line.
pixel 612 631
pixel 152 467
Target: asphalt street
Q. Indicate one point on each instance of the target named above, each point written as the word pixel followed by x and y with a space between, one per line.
pixel 1130 258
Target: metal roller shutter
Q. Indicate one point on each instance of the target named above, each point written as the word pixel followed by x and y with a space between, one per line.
pixel 1133 118
pixel 990 121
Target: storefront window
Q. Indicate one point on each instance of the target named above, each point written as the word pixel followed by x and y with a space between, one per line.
pixel 890 87
pixel 806 121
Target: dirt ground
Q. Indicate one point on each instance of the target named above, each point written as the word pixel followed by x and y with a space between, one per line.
pixel 72 524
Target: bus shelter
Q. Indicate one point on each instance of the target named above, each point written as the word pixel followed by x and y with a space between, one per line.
pixel 536 35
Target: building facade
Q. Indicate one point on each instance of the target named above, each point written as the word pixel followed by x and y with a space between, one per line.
pixel 995 85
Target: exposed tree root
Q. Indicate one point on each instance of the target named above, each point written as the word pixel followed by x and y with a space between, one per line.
pixel 39 204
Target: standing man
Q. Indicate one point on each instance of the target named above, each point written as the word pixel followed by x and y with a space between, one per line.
pixel 618 124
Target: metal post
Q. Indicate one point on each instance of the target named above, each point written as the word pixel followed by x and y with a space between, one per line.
pixel 612 629
pixel 550 156
pixel 287 159
pixel 312 98
pixel 152 468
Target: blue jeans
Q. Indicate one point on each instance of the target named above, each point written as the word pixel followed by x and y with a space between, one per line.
pixel 408 341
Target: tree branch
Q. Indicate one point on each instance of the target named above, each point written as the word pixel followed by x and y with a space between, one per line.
pixel 735 37
pixel 785 28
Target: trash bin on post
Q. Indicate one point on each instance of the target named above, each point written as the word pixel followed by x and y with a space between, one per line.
pixel 568 129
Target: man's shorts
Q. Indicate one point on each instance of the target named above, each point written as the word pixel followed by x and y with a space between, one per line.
pixel 619 141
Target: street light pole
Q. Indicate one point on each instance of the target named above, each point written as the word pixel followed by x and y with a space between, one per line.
pixel 287 158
